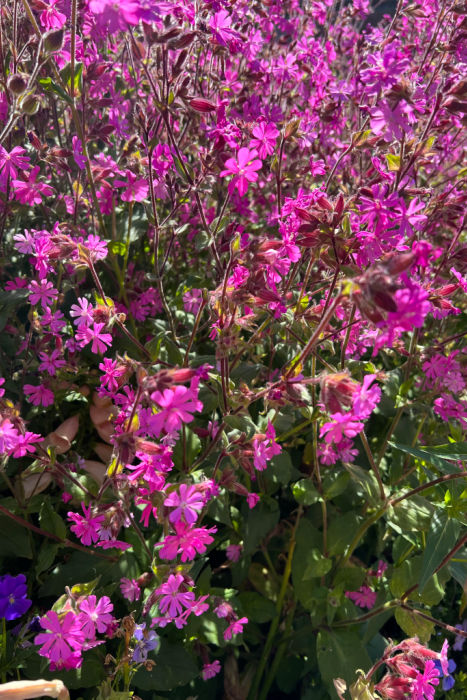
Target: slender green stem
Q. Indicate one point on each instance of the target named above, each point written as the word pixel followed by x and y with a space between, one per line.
pixel 253 695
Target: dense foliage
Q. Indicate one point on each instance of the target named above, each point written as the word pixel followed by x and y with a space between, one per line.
pixel 233 398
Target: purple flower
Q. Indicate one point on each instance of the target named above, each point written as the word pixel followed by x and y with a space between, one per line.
pixel 145 641
pixel 13 600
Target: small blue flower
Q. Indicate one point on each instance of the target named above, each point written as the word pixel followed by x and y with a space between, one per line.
pixel 146 641
pixel 13 600
pixel 448 679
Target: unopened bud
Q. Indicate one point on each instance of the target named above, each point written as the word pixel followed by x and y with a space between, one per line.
pixel 291 128
pixel 18 83
pixel 199 104
pixel 30 104
pixel 53 40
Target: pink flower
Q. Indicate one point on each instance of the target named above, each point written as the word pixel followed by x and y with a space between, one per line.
pixel 80 160
pixel 62 640
pixel 136 188
pixel 235 627
pixel 24 444
pixel 173 600
pixel 99 340
pixel 341 424
pixel 8 436
pixel 265 448
pixel 50 17
pixel 29 191
pixel 2 391
pixel 86 528
pixel 82 313
pixel 234 552
pixel 244 168
pixel 95 614
pixel 50 363
pixel 112 372
pixel 9 162
pixel 423 683
pixel 210 670
pixel 187 502
pixel 130 589
pixel 252 499
pixel 192 300
pixel 112 17
pixel 364 597
pixel 187 541
pixel 42 292
pixel 266 137
pixel 39 395
pixel 178 405
pixel 365 401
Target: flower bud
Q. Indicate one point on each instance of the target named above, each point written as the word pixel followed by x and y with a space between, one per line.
pixel 18 83
pixel 30 104
pixel 53 40
pixel 199 104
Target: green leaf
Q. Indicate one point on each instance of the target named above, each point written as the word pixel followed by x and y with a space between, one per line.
pixel 174 667
pixel 50 521
pixel 305 493
pixel 412 514
pixel 259 522
pixel 340 654
pixel 242 423
pixel 442 536
pixel 432 455
pixel 408 575
pixel 51 87
pixel 16 539
pixel 414 625
pixel 316 565
pixel 191 446
pixel 256 607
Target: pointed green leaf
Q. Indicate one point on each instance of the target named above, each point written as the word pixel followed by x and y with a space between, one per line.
pixel 442 536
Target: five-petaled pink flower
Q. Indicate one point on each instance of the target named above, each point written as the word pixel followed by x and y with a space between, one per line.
pixel 30 191
pixel 244 168
pixel 42 292
pixel 173 600
pixel 265 138
pixel 187 502
pixel 178 405
pixel 62 639
pixel 95 615
pixel 94 335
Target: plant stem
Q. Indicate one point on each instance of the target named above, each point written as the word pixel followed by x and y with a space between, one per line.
pixel 253 694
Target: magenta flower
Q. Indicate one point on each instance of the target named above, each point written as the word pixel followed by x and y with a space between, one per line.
pixel 13 161
pixel 187 541
pixel 173 600
pixel 423 684
pixel 210 670
pixel 364 597
pixel 95 615
pixel 80 160
pixel 50 363
pixel 112 372
pixel 235 627
pixel 8 436
pixel 367 398
pixel 42 292
pixel 62 639
pixel 130 589
pixel 39 395
pixel 192 300
pixel 234 552
pixel 244 168
pixel 50 17
pixel 136 188
pixel 265 139
pixel 82 313
pixel 340 425
pixel 178 405
pixel 24 444
pixel 29 191
pixel 187 502
pixel 86 528
pixel 94 335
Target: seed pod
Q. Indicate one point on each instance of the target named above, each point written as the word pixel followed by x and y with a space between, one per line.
pixel 30 104
pixel 18 83
pixel 53 40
